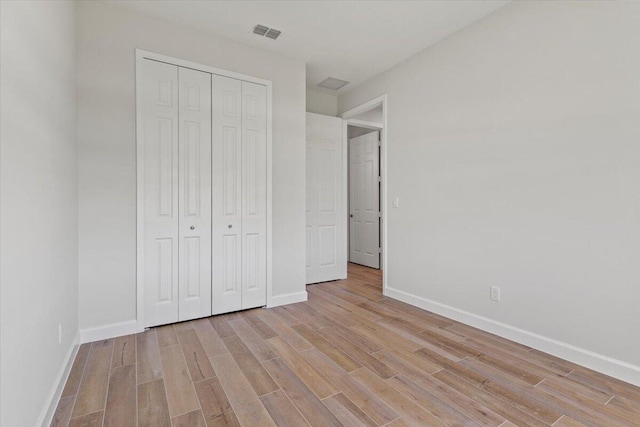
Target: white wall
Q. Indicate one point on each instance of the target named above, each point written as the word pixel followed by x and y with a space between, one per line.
pixel 107 37
pixel 38 204
pixel 322 103
pixel 514 148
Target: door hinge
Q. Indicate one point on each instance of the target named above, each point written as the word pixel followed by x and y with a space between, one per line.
pixel 379 143
pixel 379 250
pixel 379 214
pixel 379 178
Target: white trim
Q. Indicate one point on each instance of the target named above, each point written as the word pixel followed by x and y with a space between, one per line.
pixel 290 298
pixel 144 54
pixel 109 331
pixel 365 124
pixel 269 194
pixel 607 365
pixel 51 404
pixel 348 117
pixel 140 56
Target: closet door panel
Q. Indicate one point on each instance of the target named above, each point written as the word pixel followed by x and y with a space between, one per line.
pixel 254 195
pixel 194 112
pixel 160 123
pixel 227 194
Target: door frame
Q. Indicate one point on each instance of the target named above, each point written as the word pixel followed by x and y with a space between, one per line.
pixel 140 56
pixel 347 116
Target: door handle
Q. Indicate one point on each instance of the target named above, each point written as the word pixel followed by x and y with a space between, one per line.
pixel 192 227
pixel 351 216
pixel 230 226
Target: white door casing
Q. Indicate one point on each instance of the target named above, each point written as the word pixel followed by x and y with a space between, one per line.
pixel 160 100
pixel 194 183
pixel 227 191
pixel 326 257
pixel 254 195
pixel 364 200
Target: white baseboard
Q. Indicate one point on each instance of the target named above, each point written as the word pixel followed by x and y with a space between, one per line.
pixel 607 365
pixel 50 405
pixel 287 299
pixel 109 331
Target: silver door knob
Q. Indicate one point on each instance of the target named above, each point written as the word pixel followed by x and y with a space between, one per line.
pixel 192 227
pixel 230 226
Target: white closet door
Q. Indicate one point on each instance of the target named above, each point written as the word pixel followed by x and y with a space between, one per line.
pixel 194 234
pixel 364 187
pixel 326 214
pixel 227 194
pixel 160 192
pixel 254 195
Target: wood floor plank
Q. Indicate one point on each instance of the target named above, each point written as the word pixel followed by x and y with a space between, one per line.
pixel 258 346
pixel 166 335
pixel 194 354
pixel 93 387
pixel 75 375
pixel 90 420
pixel 320 386
pixel 222 327
pixel 357 354
pixel 347 412
pixel 410 411
pixel 120 410
pixel 439 409
pixel 567 422
pixel 284 330
pixel 283 412
pixel 63 412
pixel 472 409
pixel 258 325
pixel 209 338
pixel 486 355
pixel 588 407
pixel 338 356
pixel 307 403
pixel 153 410
pixel 190 419
pixel 255 373
pixel 148 361
pixel 213 400
pixel 489 400
pixel 375 408
pixel 124 351
pixel 181 395
pixel 606 384
pixel 360 341
pixel 245 402
pixel 286 316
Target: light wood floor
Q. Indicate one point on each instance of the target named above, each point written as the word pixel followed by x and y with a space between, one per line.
pixel 348 356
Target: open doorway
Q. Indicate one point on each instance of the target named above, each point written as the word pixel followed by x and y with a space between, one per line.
pixel 365 136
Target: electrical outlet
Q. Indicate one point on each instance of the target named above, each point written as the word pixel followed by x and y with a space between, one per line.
pixel 495 293
pixel 60 333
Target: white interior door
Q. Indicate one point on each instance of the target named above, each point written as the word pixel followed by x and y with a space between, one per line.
pixel 254 195
pixel 326 234
pixel 160 192
pixel 364 200
pixel 194 183
pixel 227 194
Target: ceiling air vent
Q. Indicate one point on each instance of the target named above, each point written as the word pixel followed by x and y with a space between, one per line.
pixel 272 34
pixel 332 83
pixel 262 30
